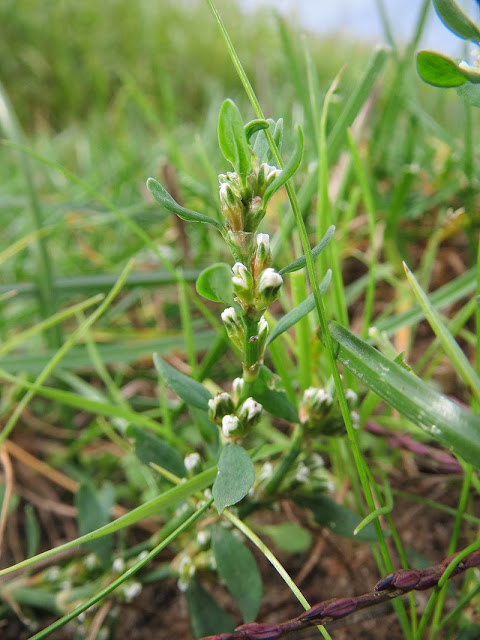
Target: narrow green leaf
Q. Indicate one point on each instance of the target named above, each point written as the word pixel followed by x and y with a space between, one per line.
pixel 269 391
pixel 170 498
pixel 336 517
pixel 456 20
pixel 149 448
pixel 439 70
pixel 235 477
pixel 298 264
pixel 451 348
pixel 94 509
pixel 444 420
pixel 238 567
pixel 233 140
pixel 215 283
pixel 32 530
pixel 206 615
pixel 288 536
pixel 304 308
pixel 289 169
pixel 253 126
pixel 261 148
pixel 189 390
pixel 162 196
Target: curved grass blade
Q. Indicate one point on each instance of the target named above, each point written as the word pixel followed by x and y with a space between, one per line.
pixel 445 421
pixel 450 346
pixel 298 264
pixel 162 196
pixel 292 317
pixel 121 579
pixel 168 499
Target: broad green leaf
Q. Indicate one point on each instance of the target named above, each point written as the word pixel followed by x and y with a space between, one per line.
pixel 233 140
pixel 253 126
pixel 206 615
pixel 298 264
pixel 470 93
pixel 238 567
pixel 94 509
pixel 451 348
pixel 439 70
pixel 189 390
pixel 456 20
pixel 149 448
pixel 288 536
pixel 445 421
pixel 215 283
pixel 289 169
pixel 269 391
pixel 152 507
pixel 162 196
pixel 293 316
pixel 235 477
pixel 336 517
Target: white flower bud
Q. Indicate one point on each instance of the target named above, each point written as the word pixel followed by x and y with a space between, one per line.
pixel 249 411
pixel 242 281
pixel 118 565
pixel 229 424
pixel 303 473
pixel 268 286
pixel 238 386
pixel 192 459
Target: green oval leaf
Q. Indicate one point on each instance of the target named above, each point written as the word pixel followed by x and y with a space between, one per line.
pixel 253 126
pixel 304 308
pixel 149 448
pixel 336 517
pixel 444 420
pixel 456 20
pixel 269 391
pixel 298 264
pixel 189 390
pixel 288 536
pixel 162 196
pixel 206 615
pixel 94 508
pixel 215 283
pixel 289 169
pixel 233 140
pixel 439 70
pixel 235 477
pixel 238 567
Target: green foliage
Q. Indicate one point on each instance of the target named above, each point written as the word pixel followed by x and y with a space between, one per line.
pixel 149 448
pixel 189 390
pixel 233 141
pixel 215 283
pixel 237 566
pixel 94 508
pixel 235 476
pixel 207 617
pixel 288 536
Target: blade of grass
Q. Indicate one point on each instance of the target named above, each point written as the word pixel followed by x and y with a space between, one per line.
pixel 125 576
pixel 459 360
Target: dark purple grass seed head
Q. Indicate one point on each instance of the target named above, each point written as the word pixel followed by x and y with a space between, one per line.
pixel 259 631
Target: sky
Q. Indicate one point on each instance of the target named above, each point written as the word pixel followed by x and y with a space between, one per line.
pixel 360 18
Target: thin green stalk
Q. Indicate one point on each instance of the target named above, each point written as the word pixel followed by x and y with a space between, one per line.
pixel 302 331
pixel 352 436
pixel 121 579
pixel 44 271
pixel 68 344
pixel 464 495
pixel 274 562
pixel 371 211
pixel 187 330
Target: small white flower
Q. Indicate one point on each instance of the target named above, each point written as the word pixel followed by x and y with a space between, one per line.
pixel 262 327
pixel 203 537
pixel 229 424
pixel 250 409
pixel 229 316
pixel 317 461
pixel 303 473
pixel 143 554
pixel 355 417
pixel 237 389
pixel 351 396
pixel 266 471
pixel 316 397
pixel 192 460
pixel 263 239
pixel 268 280
pixel 91 561
pixel 131 590
pixel 118 565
